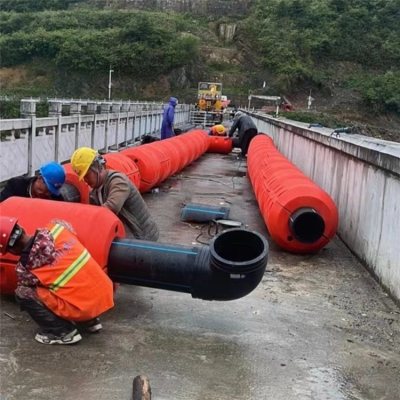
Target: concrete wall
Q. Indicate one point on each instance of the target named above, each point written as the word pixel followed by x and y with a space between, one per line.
pixel 363 177
pixel 198 7
pixel 227 32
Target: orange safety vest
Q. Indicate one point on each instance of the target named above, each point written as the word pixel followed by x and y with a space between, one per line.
pixel 215 132
pixel 74 287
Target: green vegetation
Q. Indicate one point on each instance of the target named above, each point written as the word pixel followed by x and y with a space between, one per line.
pixel 296 44
pixel 10 109
pixel 299 38
pixel 35 5
pixel 312 118
pixel 383 92
pixel 146 45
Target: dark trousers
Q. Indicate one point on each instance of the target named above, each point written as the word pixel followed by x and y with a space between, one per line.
pixel 48 321
pixel 247 138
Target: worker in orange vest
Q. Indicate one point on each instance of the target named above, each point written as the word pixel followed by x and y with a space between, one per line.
pixel 59 283
pixel 218 130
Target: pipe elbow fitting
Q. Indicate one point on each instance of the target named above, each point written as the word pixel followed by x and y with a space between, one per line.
pixel 237 262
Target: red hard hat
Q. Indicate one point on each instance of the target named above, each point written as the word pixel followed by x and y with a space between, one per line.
pixel 7 225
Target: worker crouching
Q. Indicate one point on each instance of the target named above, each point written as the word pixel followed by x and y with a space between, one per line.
pixel 113 190
pixel 45 186
pixel 218 130
pixel 247 131
pixel 59 283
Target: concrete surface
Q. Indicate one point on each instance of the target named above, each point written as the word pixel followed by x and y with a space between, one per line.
pixel 362 175
pixel 317 327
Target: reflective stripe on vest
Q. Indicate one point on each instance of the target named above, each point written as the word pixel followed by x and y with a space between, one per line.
pixel 56 230
pixel 70 272
pixel 75 266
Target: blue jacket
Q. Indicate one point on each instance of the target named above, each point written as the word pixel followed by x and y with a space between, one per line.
pixel 167 131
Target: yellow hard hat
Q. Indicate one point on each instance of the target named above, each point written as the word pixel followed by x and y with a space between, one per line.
pixel 220 129
pixel 81 160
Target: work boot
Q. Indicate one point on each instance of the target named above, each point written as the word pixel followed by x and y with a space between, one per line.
pixel 64 338
pixel 93 325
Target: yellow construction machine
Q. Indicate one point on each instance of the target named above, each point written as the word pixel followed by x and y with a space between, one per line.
pixel 209 108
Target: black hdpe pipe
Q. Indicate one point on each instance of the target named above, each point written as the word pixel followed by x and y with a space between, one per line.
pixel 230 268
pixel 306 225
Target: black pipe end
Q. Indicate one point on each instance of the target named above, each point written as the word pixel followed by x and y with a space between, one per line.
pixel 238 251
pixel 306 225
pixel 238 258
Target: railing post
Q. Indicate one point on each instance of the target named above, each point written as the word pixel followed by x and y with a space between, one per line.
pixel 55 111
pixel 146 121
pixel 27 110
pixel 132 109
pixel 55 108
pixel 105 109
pixel 76 111
pixel 125 109
pixel 140 122
pixel 92 110
pixel 116 108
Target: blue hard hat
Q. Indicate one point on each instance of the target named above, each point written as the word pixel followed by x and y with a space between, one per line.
pixel 53 175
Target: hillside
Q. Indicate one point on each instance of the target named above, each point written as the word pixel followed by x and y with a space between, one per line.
pixel 346 51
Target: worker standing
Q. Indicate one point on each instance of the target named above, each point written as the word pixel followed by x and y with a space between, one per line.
pixel 113 190
pixel 167 126
pixel 59 283
pixel 247 131
pixel 218 130
pixel 45 186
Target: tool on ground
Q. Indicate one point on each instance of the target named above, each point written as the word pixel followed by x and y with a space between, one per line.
pixel 338 131
pixel 196 212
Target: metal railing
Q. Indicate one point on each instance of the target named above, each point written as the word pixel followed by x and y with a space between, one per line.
pixel 29 142
pixel 206 119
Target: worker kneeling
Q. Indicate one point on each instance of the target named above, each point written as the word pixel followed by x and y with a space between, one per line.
pixel 59 283
pixel 247 131
pixel 45 186
pixel 113 190
pixel 218 130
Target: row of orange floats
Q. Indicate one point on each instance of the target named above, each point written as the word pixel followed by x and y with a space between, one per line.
pixel 148 165
pixel 300 216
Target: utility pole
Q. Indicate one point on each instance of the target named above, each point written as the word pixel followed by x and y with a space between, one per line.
pixel 109 83
pixel 310 100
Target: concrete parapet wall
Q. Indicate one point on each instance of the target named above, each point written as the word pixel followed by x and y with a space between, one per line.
pixel 362 175
pixel 28 142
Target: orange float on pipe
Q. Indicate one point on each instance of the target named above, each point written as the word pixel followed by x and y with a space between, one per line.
pixel 148 167
pixel 96 228
pixel 159 160
pixel 164 161
pixel 184 152
pixel 73 180
pixel 300 216
pixel 121 163
pixel 195 143
pixel 173 154
pixel 220 144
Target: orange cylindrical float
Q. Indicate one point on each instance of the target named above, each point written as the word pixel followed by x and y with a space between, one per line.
pixel 73 180
pixel 146 159
pixel 219 144
pixel 299 215
pixel 184 151
pixel 194 143
pixel 121 163
pixel 96 227
pixel 157 161
pixel 173 154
